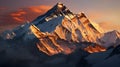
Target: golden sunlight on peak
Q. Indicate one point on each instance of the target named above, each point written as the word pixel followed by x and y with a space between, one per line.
pixel 97 26
pixel 60 5
pixel 96 48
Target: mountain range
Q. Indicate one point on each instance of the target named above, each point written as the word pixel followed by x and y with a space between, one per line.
pixel 55 38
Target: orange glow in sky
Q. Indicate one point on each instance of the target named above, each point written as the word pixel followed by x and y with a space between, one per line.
pixel 100 11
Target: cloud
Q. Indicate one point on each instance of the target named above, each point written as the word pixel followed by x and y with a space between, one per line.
pixel 29 13
pixel 39 9
pixel 18 19
pixel 108 26
pixel 17 16
pixel 21 15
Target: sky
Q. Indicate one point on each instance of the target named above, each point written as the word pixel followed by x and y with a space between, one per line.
pixel 16 12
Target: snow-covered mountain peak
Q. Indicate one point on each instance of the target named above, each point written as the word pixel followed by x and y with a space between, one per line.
pixel 111 38
pixel 56 11
pixel 60 5
pixel 113 33
pixel 59 27
pixel 116 32
pixel 59 30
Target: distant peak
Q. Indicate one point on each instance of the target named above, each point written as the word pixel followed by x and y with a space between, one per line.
pixel 60 5
pixel 114 31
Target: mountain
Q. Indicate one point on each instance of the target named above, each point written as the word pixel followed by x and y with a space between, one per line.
pixel 60 31
pixel 17 32
pixel 59 38
pixel 97 26
pixel 111 38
